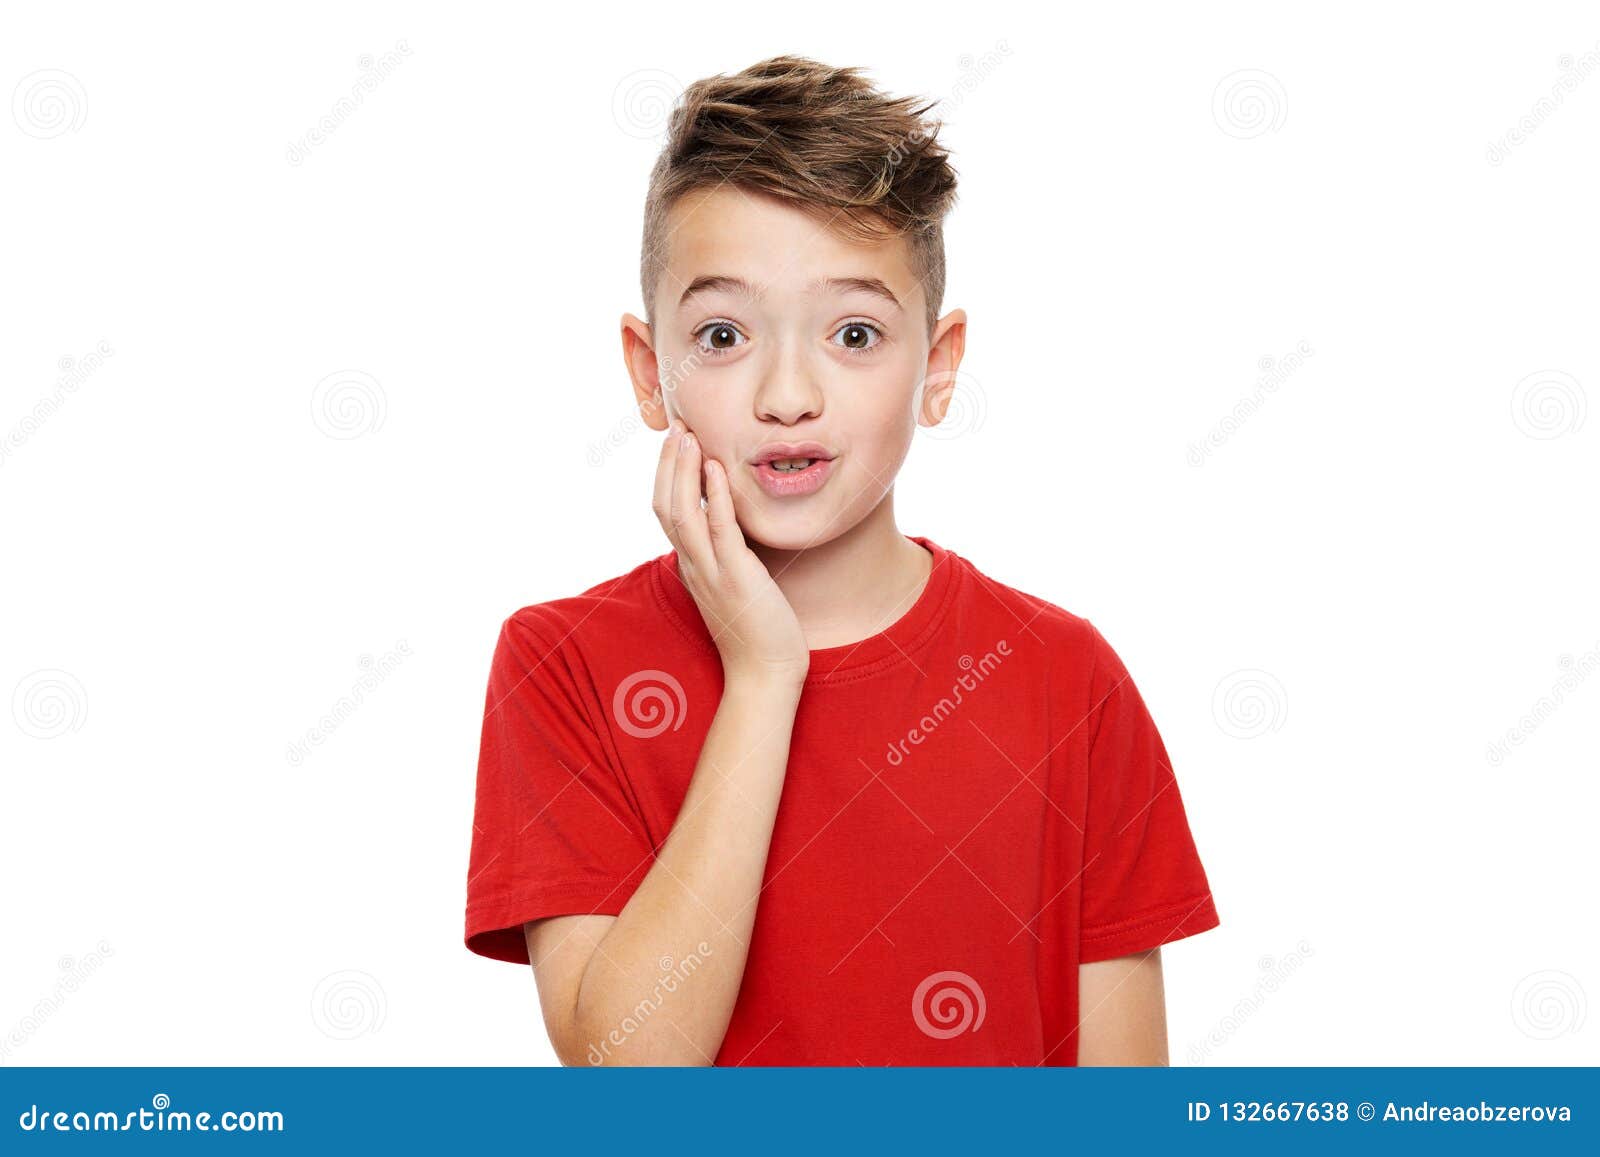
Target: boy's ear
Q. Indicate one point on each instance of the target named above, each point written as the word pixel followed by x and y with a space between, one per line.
pixel 944 361
pixel 639 354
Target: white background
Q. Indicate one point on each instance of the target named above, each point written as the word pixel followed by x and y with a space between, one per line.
pixel 1359 587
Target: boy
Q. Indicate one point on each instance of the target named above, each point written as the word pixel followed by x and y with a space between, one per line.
pixel 805 790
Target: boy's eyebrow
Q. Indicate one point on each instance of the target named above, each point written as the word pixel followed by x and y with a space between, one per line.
pixel 739 287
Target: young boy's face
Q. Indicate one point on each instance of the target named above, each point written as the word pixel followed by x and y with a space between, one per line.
pixel 825 342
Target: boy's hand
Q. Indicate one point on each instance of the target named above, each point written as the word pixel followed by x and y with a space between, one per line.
pixel 754 627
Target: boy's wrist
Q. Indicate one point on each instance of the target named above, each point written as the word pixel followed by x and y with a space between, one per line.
pixel 764 681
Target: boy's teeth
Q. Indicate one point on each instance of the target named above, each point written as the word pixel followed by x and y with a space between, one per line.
pixel 790 463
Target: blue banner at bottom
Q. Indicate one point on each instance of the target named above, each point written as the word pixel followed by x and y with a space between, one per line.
pixel 932 1110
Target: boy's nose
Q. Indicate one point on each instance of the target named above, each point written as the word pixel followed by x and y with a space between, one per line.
pixel 788 393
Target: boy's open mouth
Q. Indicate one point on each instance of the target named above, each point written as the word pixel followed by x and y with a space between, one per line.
pixel 787 470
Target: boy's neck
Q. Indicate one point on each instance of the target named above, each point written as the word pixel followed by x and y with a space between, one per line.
pixel 854 586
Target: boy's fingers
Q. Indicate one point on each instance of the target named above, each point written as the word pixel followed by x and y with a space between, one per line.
pixel 661 501
pixel 725 535
pixel 687 516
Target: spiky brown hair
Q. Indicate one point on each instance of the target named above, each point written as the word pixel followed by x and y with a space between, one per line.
pixel 821 138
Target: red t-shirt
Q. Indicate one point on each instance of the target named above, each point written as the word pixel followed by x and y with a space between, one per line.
pixel 976 802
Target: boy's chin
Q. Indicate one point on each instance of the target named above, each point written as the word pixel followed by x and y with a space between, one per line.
pixel 783 530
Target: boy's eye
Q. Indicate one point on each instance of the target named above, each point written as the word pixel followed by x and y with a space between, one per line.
pixel 859 336
pixel 717 337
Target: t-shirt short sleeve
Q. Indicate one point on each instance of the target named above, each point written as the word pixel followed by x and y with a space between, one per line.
pixel 553 830
pixel 1143 882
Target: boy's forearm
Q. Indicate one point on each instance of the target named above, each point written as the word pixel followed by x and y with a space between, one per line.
pixel 699 899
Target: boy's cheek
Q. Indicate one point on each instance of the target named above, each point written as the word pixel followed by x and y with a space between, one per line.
pixel 703 415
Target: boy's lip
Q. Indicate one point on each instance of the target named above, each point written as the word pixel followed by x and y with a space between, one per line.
pixel 791 450
pixel 792 483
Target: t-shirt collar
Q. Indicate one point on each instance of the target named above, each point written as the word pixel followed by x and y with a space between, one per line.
pixel 893 647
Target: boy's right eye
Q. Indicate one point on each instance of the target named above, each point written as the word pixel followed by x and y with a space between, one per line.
pixel 722 336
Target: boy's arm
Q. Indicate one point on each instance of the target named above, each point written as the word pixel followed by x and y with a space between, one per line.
pixel 698 901
pixel 696 904
pixel 1122 1015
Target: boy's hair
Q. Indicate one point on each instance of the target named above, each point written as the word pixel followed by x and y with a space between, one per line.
pixel 822 139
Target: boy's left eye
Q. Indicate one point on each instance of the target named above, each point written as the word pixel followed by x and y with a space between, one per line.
pixel 721 337
pixel 860 336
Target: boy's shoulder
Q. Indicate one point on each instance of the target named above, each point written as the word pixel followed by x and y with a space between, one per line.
pixel 626 597
pixel 1030 615
pixel 626 609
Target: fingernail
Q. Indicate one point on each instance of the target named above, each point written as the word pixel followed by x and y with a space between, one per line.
pixel 688 441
